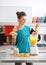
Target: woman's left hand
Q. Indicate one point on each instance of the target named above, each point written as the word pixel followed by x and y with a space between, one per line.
pixel 36 28
pixel 37 25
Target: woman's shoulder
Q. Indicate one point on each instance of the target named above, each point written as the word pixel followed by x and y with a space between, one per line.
pixel 28 27
pixel 16 28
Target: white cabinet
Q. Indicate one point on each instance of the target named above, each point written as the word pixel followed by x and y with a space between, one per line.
pixel 7 64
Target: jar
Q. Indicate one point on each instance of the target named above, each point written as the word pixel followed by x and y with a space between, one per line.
pixel 34 50
pixel 16 51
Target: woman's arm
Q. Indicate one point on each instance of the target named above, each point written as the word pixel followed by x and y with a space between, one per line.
pixel 14 35
pixel 34 32
pixel 36 28
pixel 14 40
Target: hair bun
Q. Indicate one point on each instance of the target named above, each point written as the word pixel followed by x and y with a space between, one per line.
pixel 20 14
pixel 17 13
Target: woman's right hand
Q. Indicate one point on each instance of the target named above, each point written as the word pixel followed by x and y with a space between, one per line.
pixel 13 33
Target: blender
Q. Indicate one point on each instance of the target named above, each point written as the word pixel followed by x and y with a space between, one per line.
pixel 34 49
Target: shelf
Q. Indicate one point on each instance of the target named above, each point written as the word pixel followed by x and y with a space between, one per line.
pixel 8 23
pixel 27 23
pixel 33 24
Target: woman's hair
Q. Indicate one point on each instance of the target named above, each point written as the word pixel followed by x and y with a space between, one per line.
pixel 20 14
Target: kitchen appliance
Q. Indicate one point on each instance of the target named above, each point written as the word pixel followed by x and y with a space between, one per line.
pixel 42 42
pixel 8 29
pixel 45 20
pixel 1 29
pixel 39 37
pixel 34 48
pixel 44 37
pixel 2 39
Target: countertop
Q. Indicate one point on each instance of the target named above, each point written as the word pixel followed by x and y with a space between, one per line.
pixel 4 48
pixel 5 57
pixel 8 57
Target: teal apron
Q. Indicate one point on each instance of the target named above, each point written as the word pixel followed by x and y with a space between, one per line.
pixel 23 40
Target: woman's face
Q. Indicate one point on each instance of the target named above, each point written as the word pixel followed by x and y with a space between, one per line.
pixel 22 20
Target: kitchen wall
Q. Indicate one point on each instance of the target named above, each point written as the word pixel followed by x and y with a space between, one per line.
pixel 8 13
pixel 37 5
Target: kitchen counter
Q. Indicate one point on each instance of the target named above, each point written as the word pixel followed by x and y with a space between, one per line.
pixel 42 49
pixel 8 57
pixel 3 48
pixel 5 57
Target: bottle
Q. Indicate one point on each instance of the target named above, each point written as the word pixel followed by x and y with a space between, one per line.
pixel 34 20
pixel 38 19
pixel 42 19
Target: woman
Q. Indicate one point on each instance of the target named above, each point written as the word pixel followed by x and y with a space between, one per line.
pixel 21 35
